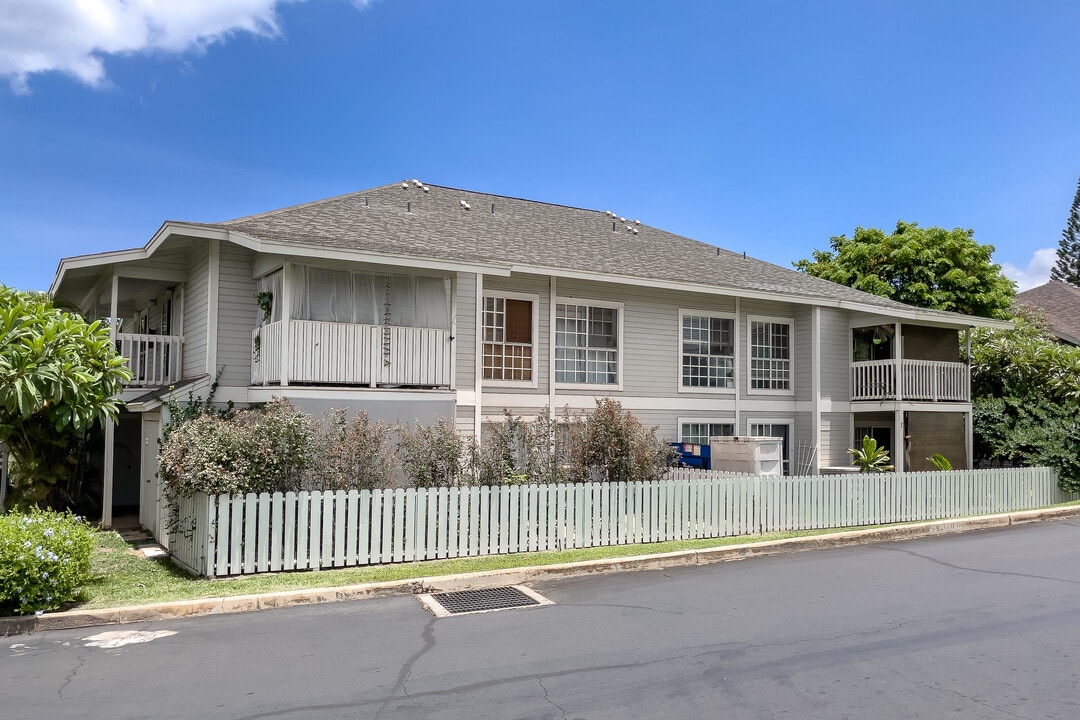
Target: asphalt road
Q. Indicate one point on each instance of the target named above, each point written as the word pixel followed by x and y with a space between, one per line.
pixel 981 625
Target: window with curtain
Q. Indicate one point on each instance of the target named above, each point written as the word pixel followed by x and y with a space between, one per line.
pixel 345 296
pixel 268 292
pixel 508 339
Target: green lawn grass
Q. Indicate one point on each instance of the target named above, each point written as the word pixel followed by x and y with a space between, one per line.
pixel 123 577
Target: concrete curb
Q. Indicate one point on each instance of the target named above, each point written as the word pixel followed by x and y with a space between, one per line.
pixel 515 576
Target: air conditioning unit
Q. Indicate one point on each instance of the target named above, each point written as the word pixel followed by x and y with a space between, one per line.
pixel 748 454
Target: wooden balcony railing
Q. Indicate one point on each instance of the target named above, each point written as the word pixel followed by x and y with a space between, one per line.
pixel 154 360
pixel 921 380
pixel 328 353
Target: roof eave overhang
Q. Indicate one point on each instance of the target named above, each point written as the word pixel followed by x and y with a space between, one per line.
pixel 210 232
pixel 117 257
pixel 321 252
pixel 901 312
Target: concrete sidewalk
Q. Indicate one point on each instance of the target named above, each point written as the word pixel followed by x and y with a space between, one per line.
pixel 516 576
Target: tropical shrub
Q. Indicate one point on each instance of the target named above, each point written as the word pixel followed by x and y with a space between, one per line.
pixel 431 455
pixel 870 457
pixel 611 445
pixel 350 453
pixel 517 450
pixel 59 376
pixel 940 462
pixel 260 450
pixel 44 559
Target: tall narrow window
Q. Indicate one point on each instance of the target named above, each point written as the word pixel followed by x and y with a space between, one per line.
pixel 586 344
pixel 708 352
pixel 770 355
pixel 508 339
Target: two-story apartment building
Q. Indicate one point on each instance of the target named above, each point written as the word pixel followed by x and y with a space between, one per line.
pixel 412 301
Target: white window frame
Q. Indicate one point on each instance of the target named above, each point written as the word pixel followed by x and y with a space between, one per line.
pixel 788 461
pixel 528 297
pixel 620 343
pixel 734 353
pixel 705 421
pixel 790 322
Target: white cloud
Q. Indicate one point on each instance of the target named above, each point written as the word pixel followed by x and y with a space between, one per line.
pixel 1037 271
pixel 73 36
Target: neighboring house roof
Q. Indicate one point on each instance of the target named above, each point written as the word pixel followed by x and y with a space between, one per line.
pixel 1060 302
pixel 431 222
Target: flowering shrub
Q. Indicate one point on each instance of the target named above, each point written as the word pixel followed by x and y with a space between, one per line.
pixel 44 558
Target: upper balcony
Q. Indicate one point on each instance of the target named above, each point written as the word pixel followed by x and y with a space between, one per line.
pixel 920 380
pixel 335 353
pixel 926 370
pixel 154 360
pixel 335 326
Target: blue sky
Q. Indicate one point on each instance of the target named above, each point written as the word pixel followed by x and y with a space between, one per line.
pixel 763 126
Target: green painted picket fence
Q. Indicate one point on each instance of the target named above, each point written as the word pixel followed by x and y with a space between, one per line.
pixel 223 535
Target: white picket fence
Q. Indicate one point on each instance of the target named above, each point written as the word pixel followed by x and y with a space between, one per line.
pixel 222 535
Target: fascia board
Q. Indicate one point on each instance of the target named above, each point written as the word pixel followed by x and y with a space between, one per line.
pixel 903 312
pixel 325 253
pixel 116 257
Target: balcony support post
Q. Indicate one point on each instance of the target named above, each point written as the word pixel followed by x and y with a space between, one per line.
pixel 286 322
pixel 898 358
pixel 110 426
pixel 900 432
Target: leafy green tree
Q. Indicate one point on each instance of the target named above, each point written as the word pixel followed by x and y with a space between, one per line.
pixel 1067 267
pixel 59 375
pixel 1026 398
pixel 926 267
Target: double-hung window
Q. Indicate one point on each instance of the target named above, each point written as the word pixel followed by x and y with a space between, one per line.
pixel 509 329
pixel 707 351
pixel 587 344
pixel 770 355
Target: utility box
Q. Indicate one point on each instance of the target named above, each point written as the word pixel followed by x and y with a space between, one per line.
pixel 748 454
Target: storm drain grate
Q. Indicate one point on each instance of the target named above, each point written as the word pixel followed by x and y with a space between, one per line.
pixel 460 602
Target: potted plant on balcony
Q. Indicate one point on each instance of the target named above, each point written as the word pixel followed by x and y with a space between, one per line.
pixel 265 301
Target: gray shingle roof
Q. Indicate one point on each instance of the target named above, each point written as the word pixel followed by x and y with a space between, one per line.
pixel 1060 301
pixel 435 224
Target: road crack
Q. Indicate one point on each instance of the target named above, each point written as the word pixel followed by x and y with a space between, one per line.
pixel 975 569
pixel 427 635
pixel 72 674
pixel 548 699
pixel 938 688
